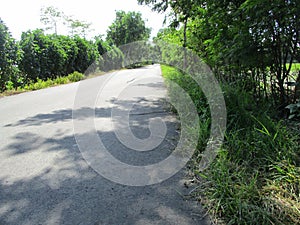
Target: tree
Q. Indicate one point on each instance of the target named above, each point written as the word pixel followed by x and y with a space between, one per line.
pixel 9 55
pixel 77 27
pixel 127 28
pixel 102 46
pixel 156 5
pixel 87 54
pixel 49 56
pixel 275 26
pixel 50 17
pixel 181 11
pixel 44 56
pixel 251 42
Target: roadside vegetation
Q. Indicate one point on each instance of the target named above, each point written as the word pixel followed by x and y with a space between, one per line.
pixel 44 58
pixel 255 178
pixel 252 47
pixel 40 84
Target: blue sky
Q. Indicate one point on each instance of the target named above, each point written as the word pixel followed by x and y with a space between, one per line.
pixel 22 15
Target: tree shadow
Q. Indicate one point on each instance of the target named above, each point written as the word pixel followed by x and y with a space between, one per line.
pixel 45 180
pixel 58 116
pixel 70 192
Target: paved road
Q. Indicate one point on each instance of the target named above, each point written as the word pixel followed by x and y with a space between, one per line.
pixel 44 178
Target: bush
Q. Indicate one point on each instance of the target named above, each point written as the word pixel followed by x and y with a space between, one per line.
pixel 40 84
pixel 112 60
pixel 48 56
pixel 75 76
pixel 255 178
pixel 9 56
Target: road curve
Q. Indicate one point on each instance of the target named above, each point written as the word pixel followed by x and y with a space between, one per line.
pixel 44 179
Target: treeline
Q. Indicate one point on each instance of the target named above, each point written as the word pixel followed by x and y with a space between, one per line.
pixel 253 48
pixel 250 43
pixel 41 56
pixel 46 56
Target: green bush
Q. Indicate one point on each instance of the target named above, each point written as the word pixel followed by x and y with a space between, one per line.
pixel 60 80
pixel 49 56
pixel 75 76
pixel 40 84
pixel 112 60
pixel 249 170
pixel 9 56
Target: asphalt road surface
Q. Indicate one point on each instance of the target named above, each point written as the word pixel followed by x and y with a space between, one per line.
pixel 44 178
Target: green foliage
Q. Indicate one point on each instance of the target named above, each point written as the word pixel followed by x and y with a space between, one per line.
pixel 256 176
pixel 44 57
pixel 251 40
pixel 49 56
pixel 77 27
pixel 102 46
pixel 159 6
pixel 75 76
pixel 189 85
pixel 9 56
pixel 127 27
pixel 242 188
pixel 50 17
pixel 169 35
pixel 40 84
pixel 112 59
pixel 295 67
pixel 87 54
pixel 294 110
pixel 9 85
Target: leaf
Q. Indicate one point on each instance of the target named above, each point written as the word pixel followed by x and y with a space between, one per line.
pixel 291 116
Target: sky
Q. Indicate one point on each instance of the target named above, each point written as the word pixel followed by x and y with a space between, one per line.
pixel 24 15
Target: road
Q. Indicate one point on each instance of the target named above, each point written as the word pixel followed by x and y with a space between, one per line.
pixel 44 178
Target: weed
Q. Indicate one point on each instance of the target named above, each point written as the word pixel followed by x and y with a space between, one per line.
pixel 255 178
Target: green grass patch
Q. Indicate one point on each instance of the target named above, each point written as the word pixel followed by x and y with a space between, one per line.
pixel 255 178
pixel 170 75
pixel 40 84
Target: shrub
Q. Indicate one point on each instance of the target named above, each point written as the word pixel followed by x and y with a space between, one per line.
pixel 75 76
pixel 255 177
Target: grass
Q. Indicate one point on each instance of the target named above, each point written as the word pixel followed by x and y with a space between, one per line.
pixel 255 178
pixel 40 84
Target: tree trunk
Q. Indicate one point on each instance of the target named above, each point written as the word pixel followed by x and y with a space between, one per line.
pixel 184 41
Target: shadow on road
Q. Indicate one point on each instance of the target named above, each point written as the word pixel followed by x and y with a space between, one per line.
pixel 69 191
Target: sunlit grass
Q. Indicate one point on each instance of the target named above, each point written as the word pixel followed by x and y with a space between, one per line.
pixel 41 84
pixel 255 178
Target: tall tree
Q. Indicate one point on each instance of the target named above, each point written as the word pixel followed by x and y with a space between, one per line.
pixel 181 12
pixel 242 40
pixel 276 27
pixel 50 17
pixel 127 28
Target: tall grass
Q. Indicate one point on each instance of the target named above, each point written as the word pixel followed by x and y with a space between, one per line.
pixel 255 178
